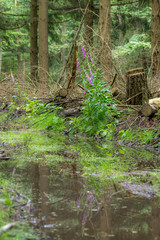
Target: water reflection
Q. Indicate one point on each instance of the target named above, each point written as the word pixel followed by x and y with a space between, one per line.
pixel 58 215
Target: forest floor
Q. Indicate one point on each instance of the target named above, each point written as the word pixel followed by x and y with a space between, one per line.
pixel 135 171
pixel 132 128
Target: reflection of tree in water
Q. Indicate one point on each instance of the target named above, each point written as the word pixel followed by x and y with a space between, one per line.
pixel 69 208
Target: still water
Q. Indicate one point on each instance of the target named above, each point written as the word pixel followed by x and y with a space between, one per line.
pixel 66 205
pixel 63 208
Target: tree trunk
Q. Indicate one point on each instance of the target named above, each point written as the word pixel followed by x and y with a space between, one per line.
pixel 33 41
pixel 0 59
pixel 105 41
pixel 88 24
pixel 18 50
pixel 137 88
pixel 71 82
pixel 43 46
pixel 155 42
pixel 63 51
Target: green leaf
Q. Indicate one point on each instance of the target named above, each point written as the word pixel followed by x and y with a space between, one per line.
pixel 121 151
pixel 89 128
pixel 8 202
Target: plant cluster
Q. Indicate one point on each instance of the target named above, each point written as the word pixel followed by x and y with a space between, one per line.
pixel 99 108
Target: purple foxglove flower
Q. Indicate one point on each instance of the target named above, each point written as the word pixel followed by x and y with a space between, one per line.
pixel 12 77
pixel 84 51
pixel 84 218
pixel 92 75
pixel 13 171
pixel 78 65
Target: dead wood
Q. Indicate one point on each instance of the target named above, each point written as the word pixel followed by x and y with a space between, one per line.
pixel 136 87
pixel 72 112
pixel 63 92
pixel 150 108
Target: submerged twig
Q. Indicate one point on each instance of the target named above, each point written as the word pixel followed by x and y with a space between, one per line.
pixel 20 196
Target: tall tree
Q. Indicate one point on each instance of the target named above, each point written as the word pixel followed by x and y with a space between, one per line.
pixel 33 41
pixel 88 23
pixel 105 40
pixel 155 42
pixel 43 45
pixel 18 48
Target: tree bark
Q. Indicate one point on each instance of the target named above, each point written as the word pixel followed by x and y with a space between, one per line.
pixel 18 49
pixel 0 59
pixel 155 42
pixel 33 41
pixel 43 46
pixel 88 24
pixel 105 40
pixel 136 87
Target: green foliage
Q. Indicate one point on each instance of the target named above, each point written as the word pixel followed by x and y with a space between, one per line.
pixel 135 50
pixel 7 213
pixel 99 108
pixel 144 136
pixel 44 116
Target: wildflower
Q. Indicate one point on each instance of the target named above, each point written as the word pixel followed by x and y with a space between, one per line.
pixel 84 218
pixel 12 77
pixel 92 75
pixel 84 51
pixel 84 92
pixel 91 197
pixel 78 65
pixel 89 79
pixel 13 171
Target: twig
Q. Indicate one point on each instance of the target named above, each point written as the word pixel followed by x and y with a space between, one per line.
pixel 114 79
pixel 133 97
pixel 21 196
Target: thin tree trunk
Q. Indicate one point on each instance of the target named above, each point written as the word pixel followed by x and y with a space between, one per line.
pixel 43 46
pixel 63 51
pixel 88 24
pixel 0 59
pixel 155 41
pixel 105 41
pixel 18 49
pixel 33 41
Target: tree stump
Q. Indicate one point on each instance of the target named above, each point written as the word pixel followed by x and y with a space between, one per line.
pixel 137 87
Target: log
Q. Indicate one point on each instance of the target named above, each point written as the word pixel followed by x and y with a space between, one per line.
pixel 72 112
pixel 137 91
pixel 63 92
pixel 148 110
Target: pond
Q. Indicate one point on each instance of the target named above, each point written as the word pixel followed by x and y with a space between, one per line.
pixel 68 203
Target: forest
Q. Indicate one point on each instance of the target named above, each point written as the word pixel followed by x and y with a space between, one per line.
pixel 79 119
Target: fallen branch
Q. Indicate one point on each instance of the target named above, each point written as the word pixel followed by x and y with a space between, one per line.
pixel 133 97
